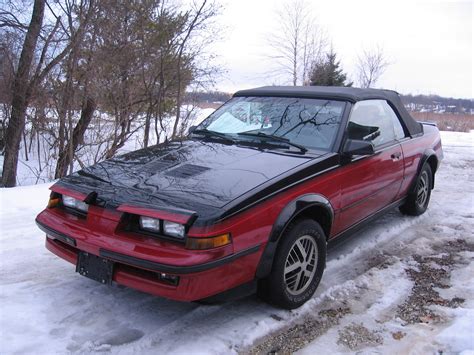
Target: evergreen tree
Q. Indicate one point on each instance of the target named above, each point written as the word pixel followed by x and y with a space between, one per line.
pixel 327 72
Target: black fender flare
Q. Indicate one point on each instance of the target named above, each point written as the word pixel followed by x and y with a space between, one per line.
pixel 427 154
pixel 286 216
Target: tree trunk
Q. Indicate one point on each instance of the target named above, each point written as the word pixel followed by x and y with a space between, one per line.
pixel 178 105
pixel 65 157
pixel 146 136
pixel 26 146
pixel 20 96
pixel 65 102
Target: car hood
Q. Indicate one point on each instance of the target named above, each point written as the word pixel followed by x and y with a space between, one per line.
pixel 184 174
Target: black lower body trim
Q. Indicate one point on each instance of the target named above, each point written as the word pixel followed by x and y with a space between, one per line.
pixel 56 235
pixel 236 293
pixel 342 237
pixel 150 265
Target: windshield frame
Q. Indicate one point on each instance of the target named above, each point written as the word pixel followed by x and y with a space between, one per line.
pixel 333 147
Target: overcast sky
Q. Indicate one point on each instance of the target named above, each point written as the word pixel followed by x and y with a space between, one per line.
pixel 428 42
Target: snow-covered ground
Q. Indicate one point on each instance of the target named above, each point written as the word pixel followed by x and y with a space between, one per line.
pixel 404 285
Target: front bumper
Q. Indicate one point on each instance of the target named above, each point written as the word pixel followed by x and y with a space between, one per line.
pixel 196 281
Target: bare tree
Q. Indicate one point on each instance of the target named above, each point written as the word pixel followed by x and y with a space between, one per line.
pixel 20 94
pixel 370 66
pixel 75 11
pixel 298 42
pixel 8 61
pixel 34 65
pixel 100 72
pixel 66 155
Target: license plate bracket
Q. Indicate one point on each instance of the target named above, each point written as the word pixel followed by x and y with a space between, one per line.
pixel 95 267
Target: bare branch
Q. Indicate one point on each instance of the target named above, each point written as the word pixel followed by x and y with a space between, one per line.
pixel 370 66
pixel 298 42
pixel 8 19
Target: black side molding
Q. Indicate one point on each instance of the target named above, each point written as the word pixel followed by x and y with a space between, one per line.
pixel 150 265
pixel 343 237
pixel 56 235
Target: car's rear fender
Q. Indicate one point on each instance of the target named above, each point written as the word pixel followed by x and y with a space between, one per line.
pixel 430 157
pixel 314 206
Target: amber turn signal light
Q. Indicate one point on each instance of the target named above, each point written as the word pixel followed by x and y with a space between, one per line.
pixel 208 243
pixel 53 202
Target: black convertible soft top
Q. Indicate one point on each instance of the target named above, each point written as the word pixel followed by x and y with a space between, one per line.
pixel 339 93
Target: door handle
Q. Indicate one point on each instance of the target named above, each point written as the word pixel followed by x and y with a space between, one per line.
pixel 396 156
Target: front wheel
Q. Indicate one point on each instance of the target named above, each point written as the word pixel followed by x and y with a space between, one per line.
pixel 417 202
pixel 298 266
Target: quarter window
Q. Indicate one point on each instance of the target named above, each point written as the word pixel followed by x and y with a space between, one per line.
pixel 374 121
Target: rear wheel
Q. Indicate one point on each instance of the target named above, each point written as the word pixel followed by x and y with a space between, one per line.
pixel 298 266
pixel 417 202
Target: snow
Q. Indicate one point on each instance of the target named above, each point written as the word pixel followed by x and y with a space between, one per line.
pixel 47 308
pixel 460 334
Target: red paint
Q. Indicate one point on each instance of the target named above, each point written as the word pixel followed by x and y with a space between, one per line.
pixel 92 234
pixel 369 185
pixel 68 192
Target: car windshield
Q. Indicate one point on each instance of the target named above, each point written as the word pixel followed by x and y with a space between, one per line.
pixel 311 123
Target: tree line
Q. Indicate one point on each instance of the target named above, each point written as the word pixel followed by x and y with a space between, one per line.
pixel 66 60
pixel 456 105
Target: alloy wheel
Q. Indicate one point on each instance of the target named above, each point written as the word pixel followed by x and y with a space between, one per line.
pixel 300 265
pixel 423 189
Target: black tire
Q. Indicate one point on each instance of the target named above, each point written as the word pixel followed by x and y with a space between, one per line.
pixel 282 291
pixel 417 202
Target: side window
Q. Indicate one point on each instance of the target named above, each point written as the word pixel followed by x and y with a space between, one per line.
pixel 398 128
pixel 375 121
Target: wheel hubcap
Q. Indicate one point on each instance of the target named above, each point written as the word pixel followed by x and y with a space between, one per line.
pixel 300 265
pixel 423 189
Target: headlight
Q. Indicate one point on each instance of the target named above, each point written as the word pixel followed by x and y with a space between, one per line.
pixel 173 229
pixel 72 202
pixel 150 224
pixel 156 225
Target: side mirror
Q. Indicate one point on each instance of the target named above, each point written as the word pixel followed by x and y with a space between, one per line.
pixel 358 147
pixel 191 129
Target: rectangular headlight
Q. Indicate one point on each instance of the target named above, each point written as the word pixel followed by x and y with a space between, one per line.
pixel 69 201
pixel 72 202
pixel 150 224
pixel 173 229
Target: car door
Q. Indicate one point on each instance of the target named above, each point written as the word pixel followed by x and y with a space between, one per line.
pixel 369 183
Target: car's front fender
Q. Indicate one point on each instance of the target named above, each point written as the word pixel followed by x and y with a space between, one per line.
pixel 290 212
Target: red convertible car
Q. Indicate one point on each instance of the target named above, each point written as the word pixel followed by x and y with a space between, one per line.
pixel 250 199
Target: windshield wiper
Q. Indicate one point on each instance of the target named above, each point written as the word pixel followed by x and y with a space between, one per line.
pixel 274 138
pixel 208 133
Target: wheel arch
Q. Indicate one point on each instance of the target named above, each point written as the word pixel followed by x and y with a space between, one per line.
pixel 429 157
pixel 313 206
pixel 432 160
